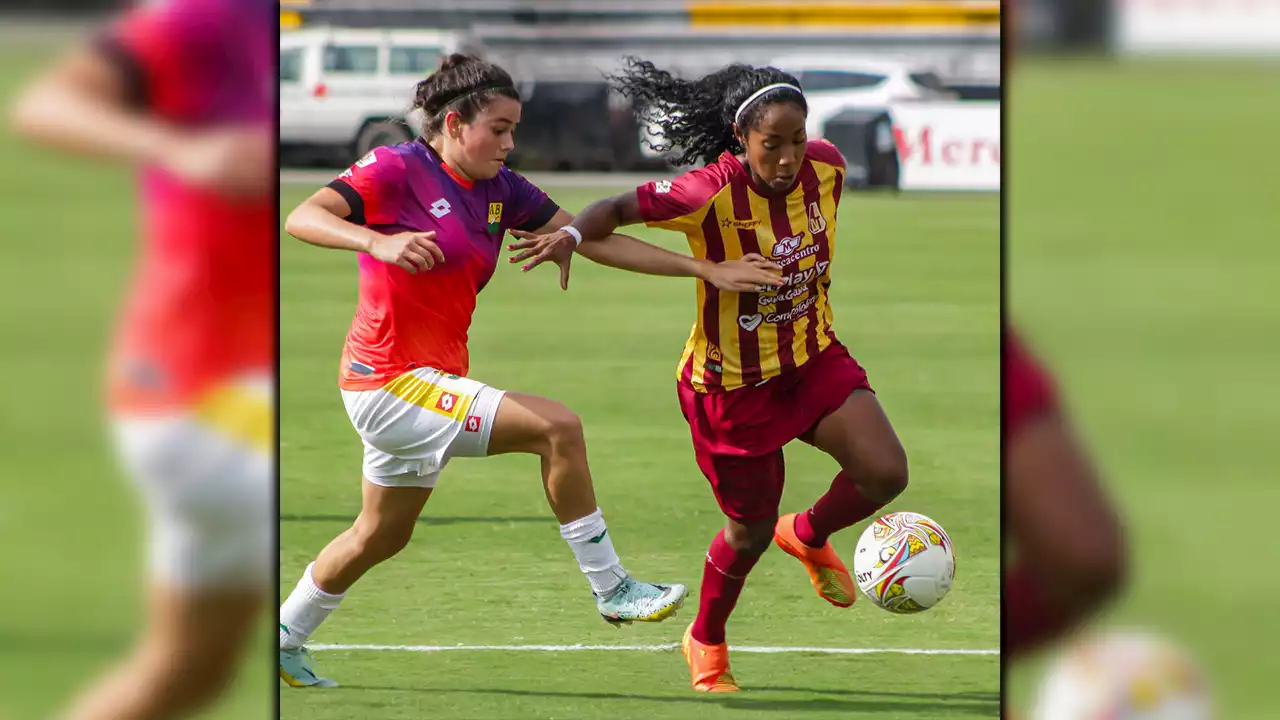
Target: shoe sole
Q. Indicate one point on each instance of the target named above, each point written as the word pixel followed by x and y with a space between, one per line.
pixel 828 582
pixel 293 682
pixel 666 612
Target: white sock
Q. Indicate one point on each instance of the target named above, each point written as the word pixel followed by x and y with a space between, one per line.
pixel 304 610
pixel 589 539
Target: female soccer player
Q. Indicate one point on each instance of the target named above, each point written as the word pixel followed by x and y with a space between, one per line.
pixel 428 218
pixel 183 90
pixel 762 366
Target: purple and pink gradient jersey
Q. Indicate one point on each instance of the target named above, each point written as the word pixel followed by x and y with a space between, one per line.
pixel 201 307
pixel 406 320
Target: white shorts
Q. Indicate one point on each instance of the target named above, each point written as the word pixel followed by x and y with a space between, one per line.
pixel 207 478
pixel 415 424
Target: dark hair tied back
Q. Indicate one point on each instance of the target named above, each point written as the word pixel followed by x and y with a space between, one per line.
pixel 696 117
pixel 463 83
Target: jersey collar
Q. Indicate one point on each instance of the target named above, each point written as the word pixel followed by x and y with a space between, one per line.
pixel 468 184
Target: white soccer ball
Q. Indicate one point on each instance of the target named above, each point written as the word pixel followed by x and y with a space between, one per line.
pixel 904 562
pixel 1125 675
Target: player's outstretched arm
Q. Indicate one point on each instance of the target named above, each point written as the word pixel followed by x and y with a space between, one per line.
pixel 79 105
pixel 628 253
pixel 556 240
pixel 321 220
pixel 82 104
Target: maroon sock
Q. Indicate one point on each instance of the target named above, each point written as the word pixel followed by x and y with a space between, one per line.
pixel 841 507
pixel 1031 618
pixel 723 576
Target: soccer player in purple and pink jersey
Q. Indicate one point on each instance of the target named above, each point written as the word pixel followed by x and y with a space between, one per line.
pixel 427 218
pixel 184 90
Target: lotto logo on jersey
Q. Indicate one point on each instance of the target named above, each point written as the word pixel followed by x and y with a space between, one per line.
pixel 440 208
pixel 367 160
pixel 472 423
pixel 447 402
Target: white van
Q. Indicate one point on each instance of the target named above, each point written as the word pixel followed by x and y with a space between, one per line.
pixel 344 92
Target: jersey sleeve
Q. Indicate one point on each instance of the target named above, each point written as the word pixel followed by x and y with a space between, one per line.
pixel 164 51
pixel 1028 391
pixel 528 207
pixel 679 204
pixel 824 152
pixel 374 187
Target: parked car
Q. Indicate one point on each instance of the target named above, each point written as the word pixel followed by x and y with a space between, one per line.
pixel 344 92
pixel 835 83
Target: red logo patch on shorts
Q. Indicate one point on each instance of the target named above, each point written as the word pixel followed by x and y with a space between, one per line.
pixel 447 401
pixel 472 424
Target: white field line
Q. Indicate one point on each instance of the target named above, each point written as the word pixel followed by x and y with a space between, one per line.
pixel 648 648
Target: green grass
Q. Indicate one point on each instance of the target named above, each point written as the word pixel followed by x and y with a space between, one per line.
pixel 1142 259
pixel 70 527
pixel 916 298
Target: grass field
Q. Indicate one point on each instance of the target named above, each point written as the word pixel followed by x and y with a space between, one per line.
pixel 916 298
pixel 1142 243
pixel 70 529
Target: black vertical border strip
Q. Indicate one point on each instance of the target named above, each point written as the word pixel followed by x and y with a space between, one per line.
pixel 1008 40
pixel 275 544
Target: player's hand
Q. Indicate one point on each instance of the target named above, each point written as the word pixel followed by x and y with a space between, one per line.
pixel 557 246
pixel 237 161
pixel 753 273
pixel 413 251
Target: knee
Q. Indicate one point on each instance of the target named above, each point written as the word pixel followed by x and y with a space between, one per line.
pixel 562 431
pixel 383 540
pixel 1094 571
pixel 884 477
pixel 751 538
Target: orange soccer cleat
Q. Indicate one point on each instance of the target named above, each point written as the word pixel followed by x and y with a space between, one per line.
pixel 708 665
pixel 826 570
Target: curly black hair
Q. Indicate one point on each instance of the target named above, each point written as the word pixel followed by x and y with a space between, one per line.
pixel 697 116
pixel 463 83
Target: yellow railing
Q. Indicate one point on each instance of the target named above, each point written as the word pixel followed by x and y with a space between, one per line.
pixel 903 12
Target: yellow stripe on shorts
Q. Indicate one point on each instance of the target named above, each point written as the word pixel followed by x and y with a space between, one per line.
pixel 425 394
pixel 242 413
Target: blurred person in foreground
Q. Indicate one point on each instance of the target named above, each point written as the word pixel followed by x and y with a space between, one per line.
pixel 1068 550
pixel 1068 545
pixel 183 90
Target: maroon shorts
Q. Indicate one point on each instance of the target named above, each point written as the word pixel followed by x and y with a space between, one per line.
pixel 738 435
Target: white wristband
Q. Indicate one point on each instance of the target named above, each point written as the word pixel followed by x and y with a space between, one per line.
pixel 577 236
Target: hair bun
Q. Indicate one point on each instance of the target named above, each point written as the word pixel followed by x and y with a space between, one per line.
pixel 456 60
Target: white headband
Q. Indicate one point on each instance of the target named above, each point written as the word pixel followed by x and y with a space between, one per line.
pixel 752 98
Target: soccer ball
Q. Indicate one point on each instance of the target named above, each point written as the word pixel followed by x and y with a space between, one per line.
pixel 904 562
pixel 1124 675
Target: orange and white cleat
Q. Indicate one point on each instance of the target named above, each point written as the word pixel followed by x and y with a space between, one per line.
pixel 827 571
pixel 708 665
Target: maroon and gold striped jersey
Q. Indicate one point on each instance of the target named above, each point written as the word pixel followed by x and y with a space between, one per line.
pixel 745 338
